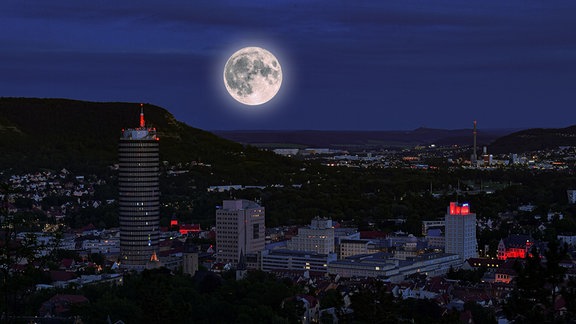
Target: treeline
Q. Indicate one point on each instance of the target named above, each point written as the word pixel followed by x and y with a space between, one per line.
pixel 161 297
pixel 372 196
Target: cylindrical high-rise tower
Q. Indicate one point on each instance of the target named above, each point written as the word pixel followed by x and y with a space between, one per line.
pixel 139 195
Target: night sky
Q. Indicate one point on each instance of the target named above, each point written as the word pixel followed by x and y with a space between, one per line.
pixel 348 64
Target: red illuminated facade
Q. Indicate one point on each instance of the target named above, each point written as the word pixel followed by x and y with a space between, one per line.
pixel 184 229
pixel 459 209
pixel 189 228
pixel 173 222
pixel 514 246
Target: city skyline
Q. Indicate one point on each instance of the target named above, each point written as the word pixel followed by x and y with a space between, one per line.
pixel 365 65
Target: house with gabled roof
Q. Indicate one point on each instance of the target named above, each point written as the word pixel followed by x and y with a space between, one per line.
pixel 514 246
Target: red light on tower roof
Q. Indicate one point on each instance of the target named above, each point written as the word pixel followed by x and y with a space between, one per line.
pixel 465 209
pixel 142 122
pixel 459 209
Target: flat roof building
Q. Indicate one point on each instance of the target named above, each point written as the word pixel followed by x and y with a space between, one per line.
pixel 383 265
pixel 240 228
pixel 317 237
pixel 460 231
pixel 295 260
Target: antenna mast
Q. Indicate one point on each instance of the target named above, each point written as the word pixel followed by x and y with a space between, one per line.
pixel 142 122
pixel 474 158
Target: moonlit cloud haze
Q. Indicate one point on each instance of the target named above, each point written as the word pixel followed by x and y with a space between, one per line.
pixel 354 65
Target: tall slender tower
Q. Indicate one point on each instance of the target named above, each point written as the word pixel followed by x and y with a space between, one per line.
pixel 139 194
pixel 474 157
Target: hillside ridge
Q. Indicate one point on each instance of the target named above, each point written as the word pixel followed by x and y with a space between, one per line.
pixel 63 133
pixel 535 139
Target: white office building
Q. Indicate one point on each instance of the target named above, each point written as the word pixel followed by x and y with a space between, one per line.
pixel 272 260
pixel 354 247
pixel 318 237
pixel 460 231
pixel 240 227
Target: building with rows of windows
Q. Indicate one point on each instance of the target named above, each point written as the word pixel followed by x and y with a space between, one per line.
pixel 139 195
pixel 460 231
pixel 240 229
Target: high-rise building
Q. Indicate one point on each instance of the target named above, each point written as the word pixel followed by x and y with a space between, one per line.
pixel 460 231
pixel 240 229
pixel 139 194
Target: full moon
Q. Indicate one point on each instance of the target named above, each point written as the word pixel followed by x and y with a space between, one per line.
pixel 252 76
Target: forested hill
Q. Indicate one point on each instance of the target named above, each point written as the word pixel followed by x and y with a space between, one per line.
pixel 535 139
pixel 58 133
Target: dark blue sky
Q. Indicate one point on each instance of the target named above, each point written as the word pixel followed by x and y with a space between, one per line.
pixel 348 65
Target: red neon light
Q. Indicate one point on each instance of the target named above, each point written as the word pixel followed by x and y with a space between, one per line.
pixel 456 209
pixel 513 253
pixel 516 252
pixel 189 228
pixel 142 122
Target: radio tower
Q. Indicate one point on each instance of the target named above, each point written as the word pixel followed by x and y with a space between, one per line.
pixel 142 122
pixel 474 157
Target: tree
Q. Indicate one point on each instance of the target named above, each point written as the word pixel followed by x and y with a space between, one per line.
pixel 420 310
pixel 479 313
pixel 332 298
pixel 554 254
pixel 537 284
pixel 293 310
pixel 374 305
pixel 18 254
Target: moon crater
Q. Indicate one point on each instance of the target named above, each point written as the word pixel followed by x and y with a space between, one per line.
pixel 252 76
